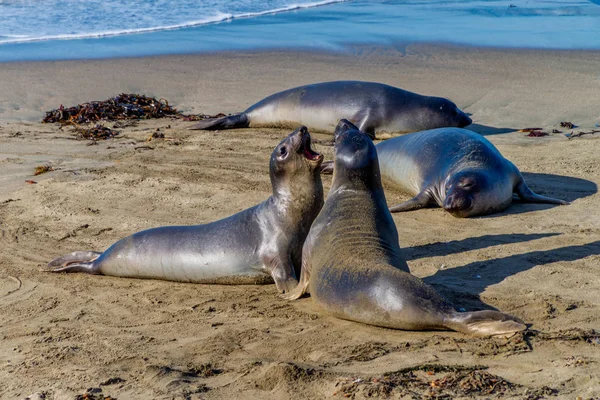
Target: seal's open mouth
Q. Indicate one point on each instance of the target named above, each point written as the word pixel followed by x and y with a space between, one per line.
pixel 309 153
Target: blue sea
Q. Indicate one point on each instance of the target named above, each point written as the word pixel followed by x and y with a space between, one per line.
pixel 76 29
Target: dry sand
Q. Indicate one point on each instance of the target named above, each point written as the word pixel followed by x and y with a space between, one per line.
pixel 62 334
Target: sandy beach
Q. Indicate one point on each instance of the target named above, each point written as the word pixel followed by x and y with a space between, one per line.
pixel 62 335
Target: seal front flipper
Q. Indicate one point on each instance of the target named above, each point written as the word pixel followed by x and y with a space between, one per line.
pixel 282 272
pixel 303 285
pixel 78 261
pixel 528 196
pixel 484 323
pixel 229 122
pixel 421 200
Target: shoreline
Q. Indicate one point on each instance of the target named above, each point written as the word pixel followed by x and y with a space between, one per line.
pixel 338 25
pixel 345 49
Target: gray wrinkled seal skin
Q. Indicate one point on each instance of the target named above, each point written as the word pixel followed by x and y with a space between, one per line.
pixel 374 107
pixel 456 169
pixel 252 246
pixel 352 264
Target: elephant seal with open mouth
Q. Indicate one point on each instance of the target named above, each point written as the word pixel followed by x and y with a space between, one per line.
pixel 252 246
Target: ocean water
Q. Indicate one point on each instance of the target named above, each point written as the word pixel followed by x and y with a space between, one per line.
pixel 75 29
pixel 36 20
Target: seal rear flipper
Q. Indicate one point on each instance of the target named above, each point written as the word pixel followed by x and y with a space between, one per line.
pixel 229 122
pixel 421 200
pixel 528 196
pixel 78 261
pixel 484 323
pixel 86 267
pixel 75 257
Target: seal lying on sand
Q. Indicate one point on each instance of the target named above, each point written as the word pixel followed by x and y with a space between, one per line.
pixel 351 261
pixel 457 169
pixel 246 247
pixel 373 107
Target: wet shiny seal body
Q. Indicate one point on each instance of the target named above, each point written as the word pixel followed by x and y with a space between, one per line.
pixel 257 245
pixel 374 107
pixel 352 264
pixel 456 169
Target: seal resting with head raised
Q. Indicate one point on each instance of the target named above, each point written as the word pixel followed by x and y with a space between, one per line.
pixel 374 107
pixel 252 246
pixel 352 264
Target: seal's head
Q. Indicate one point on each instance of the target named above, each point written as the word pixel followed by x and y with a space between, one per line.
pixel 444 113
pixel 467 192
pixel 294 158
pixel 294 154
pixel 355 156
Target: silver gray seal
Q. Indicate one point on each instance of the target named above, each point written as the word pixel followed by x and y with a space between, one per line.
pixel 352 264
pixel 249 247
pixel 456 169
pixel 374 107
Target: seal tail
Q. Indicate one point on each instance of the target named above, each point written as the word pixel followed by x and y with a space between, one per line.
pixel 484 323
pixel 78 261
pixel 229 122
pixel 527 195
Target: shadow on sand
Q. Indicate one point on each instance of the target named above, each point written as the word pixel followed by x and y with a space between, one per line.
pixel 489 130
pixel 475 243
pixel 565 187
pixel 463 285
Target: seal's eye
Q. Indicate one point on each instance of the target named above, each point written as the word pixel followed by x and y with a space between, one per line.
pixel 283 152
pixel 468 185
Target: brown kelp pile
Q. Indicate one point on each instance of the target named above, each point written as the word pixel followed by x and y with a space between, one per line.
pixel 118 108
pixel 123 106
pixel 96 132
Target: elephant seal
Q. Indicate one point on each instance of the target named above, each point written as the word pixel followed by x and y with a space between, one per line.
pixel 351 262
pixel 373 107
pixel 457 169
pixel 246 247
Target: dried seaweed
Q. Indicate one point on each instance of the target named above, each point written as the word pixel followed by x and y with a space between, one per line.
pixel 534 132
pixel 537 134
pixel 94 394
pixel 97 132
pixel 420 382
pixel 123 106
pixel 580 134
pixel 42 169
pixel 568 125
pixel 473 382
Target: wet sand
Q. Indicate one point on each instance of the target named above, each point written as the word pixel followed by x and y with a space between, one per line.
pixel 63 334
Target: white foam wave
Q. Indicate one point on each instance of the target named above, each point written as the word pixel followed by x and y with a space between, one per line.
pixel 219 17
